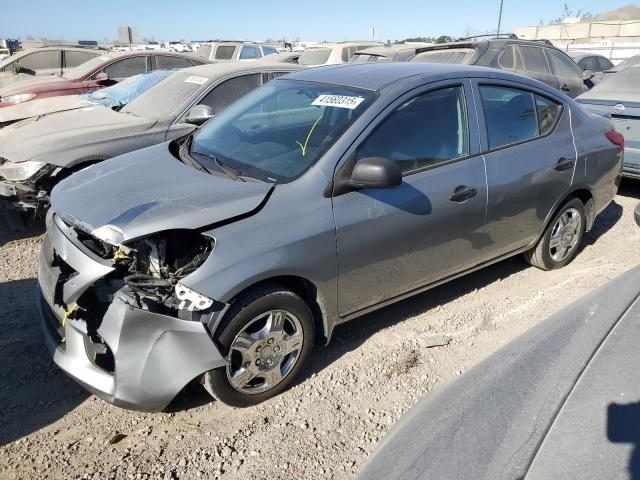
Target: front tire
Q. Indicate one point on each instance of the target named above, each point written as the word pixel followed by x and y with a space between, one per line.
pixel 559 244
pixel 267 339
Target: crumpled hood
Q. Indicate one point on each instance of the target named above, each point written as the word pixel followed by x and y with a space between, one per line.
pixel 148 191
pixel 42 106
pixel 50 137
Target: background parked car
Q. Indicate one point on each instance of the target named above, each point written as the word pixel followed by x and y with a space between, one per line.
pixel 4 53
pixel 598 64
pixel 561 401
pixel 103 71
pixel 629 62
pixel 333 53
pixel 233 51
pixel 37 62
pixel 325 194
pixel 618 97
pixel 284 57
pixel 387 53
pixel 538 60
pixel 36 154
pixel 115 96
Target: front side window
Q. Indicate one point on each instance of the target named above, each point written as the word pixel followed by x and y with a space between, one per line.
pixel 268 50
pixel 225 52
pixel 127 67
pixel 279 130
pixel 563 65
pixel 534 59
pixel 230 90
pixel 427 130
pixel 41 60
pixel 509 114
pixel 249 53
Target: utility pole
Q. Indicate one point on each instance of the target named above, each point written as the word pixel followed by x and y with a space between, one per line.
pixel 500 18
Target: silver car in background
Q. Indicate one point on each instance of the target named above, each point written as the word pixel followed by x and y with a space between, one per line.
pixel 312 200
pixel 619 98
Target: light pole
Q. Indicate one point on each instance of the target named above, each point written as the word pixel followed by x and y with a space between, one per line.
pixel 500 18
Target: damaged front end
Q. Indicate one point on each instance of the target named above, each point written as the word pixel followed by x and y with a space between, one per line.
pixel 118 318
pixel 25 186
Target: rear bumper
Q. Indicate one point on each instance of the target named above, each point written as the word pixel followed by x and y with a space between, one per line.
pixel 152 356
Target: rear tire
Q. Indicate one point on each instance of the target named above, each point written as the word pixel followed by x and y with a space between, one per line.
pixel 559 243
pixel 268 337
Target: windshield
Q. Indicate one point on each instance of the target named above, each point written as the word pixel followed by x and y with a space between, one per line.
pixel 278 131
pixel 86 68
pixel 314 56
pixel 167 97
pixel 450 55
pixel 122 93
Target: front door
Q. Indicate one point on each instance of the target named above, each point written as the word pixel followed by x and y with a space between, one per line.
pixel 392 241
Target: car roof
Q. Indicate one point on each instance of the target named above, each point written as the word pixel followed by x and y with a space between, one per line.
pixel 213 70
pixel 344 44
pixel 375 76
pixel 580 55
pixel 386 50
pixel 22 53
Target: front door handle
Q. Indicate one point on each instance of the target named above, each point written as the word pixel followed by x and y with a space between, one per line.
pixel 565 88
pixel 462 194
pixel 564 164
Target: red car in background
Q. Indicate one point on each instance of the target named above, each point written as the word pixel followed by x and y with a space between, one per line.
pixel 94 74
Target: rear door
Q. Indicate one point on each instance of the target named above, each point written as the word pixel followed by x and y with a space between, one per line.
pixel 535 65
pixel 530 159
pixel 393 241
pixel 570 75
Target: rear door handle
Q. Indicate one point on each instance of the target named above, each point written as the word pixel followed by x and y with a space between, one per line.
pixel 564 164
pixel 462 194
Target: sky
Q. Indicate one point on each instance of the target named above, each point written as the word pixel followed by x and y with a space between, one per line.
pixel 317 20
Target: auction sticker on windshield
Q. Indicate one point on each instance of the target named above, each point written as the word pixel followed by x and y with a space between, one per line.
pixel 196 79
pixel 340 101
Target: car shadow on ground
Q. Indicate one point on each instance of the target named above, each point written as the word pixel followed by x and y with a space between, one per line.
pixel 349 336
pixel 30 228
pixel 630 188
pixel 623 427
pixel 34 392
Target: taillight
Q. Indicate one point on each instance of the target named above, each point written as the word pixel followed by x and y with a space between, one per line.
pixel 616 138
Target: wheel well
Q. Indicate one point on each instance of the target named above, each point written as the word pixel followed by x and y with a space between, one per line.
pixel 586 198
pixel 305 289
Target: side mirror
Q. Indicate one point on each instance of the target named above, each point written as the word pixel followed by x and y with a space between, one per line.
pixel 17 69
pixel 376 172
pixel 587 75
pixel 199 114
pixel 102 77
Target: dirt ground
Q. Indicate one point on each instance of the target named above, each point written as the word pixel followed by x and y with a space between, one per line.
pixel 325 427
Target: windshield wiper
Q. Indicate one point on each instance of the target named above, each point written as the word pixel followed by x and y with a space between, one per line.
pixel 224 167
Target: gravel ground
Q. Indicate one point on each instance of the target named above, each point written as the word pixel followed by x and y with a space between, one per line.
pixel 325 427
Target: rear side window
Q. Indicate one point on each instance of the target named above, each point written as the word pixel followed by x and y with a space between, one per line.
pixel 230 90
pixel 225 52
pixel 509 114
pixel 314 56
pixel 548 114
pixel 424 131
pixel 534 59
pixel 588 63
pixel 164 62
pixel 268 50
pixel 127 67
pixel 41 60
pixel 249 52
pixel 450 55
pixel 563 65
pixel 73 59
pixel 510 59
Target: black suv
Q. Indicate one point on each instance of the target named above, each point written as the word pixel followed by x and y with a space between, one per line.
pixel 534 59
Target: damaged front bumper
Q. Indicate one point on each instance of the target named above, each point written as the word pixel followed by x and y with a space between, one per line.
pixel 22 196
pixel 138 359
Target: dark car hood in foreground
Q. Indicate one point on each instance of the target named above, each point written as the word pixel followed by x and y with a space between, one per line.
pixel 148 191
pixel 561 401
pixel 53 138
pixel 42 106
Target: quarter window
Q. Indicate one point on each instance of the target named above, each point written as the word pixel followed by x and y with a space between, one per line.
pixel 127 67
pixel 563 65
pixel 534 59
pixel 509 115
pixel 427 130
